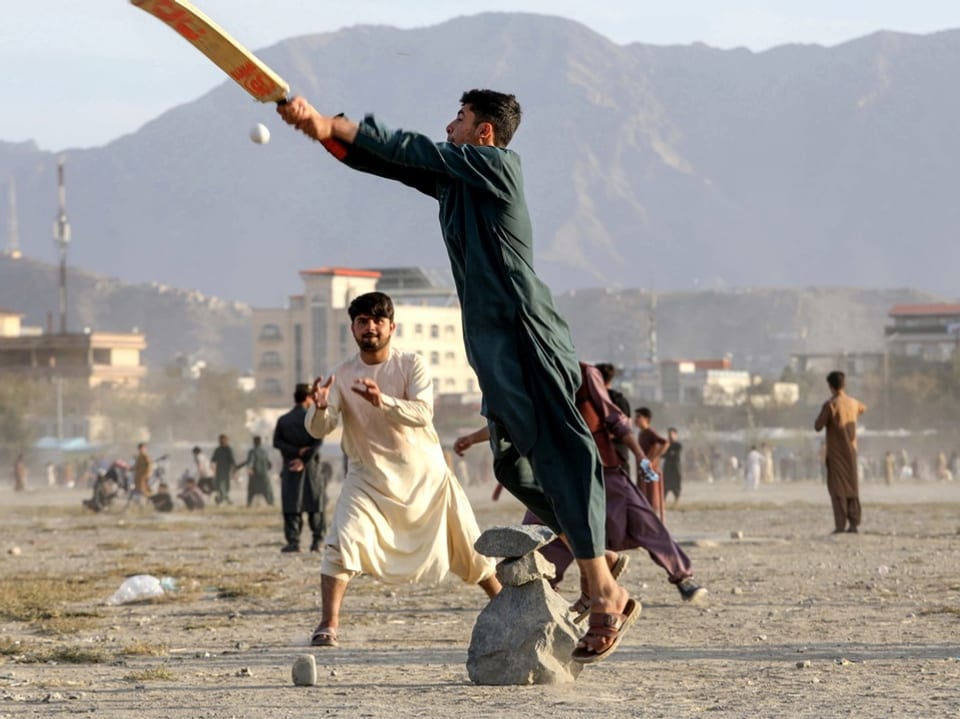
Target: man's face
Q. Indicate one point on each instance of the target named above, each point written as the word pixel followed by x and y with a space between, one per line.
pixel 642 422
pixel 372 333
pixel 463 129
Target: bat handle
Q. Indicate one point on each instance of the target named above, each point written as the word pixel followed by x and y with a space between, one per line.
pixel 334 147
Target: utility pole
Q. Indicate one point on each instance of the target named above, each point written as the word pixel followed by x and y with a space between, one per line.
pixel 61 236
pixel 13 228
pixel 652 343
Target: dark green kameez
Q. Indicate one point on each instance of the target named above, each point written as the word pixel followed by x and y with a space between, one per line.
pixel 516 342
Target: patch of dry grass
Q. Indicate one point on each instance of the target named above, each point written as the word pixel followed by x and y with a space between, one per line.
pixel 11 647
pixel 244 590
pixel 68 623
pixel 36 599
pixel 144 649
pixel 158 673
pixel 64 654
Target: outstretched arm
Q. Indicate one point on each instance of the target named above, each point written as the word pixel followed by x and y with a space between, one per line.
pixel 409 157
pixel 337 134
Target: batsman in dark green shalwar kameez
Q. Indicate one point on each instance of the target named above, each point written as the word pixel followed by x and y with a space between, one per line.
pixel 516 342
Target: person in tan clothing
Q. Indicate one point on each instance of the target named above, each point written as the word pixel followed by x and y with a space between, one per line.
pixel 142 467
pixel 839 417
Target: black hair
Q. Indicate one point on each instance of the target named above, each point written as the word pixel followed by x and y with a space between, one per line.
pixel 499 109
pixel 372 304
pixel 301 392
pixel 644 412
pixel 836 380
pixel 607 371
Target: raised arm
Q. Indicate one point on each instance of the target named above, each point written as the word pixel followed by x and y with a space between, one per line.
pixel 323 415
pixel 409 157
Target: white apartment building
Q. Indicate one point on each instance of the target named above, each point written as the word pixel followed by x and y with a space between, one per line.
pixel 312 334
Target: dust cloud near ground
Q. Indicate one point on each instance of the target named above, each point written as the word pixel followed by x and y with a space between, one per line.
pixel 798 623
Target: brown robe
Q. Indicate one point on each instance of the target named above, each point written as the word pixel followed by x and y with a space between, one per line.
pixel 839 417
pixel 653 491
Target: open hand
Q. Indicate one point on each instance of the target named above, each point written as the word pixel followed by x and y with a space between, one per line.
pixel 368 389
pixel 321 391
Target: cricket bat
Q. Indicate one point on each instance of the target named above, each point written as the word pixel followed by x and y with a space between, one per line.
pixel 217 44
pixel 243 67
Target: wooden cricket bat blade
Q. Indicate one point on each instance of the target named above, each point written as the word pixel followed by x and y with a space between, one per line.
pixel 219 46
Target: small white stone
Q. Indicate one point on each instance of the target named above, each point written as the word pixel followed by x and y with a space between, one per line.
pixel 304 671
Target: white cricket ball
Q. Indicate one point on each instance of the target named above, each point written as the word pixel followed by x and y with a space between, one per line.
pixel 260 134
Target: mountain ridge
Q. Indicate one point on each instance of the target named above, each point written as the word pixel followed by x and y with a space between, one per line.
pixel 674 167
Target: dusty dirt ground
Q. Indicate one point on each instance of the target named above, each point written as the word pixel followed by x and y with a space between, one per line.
pixel 799 623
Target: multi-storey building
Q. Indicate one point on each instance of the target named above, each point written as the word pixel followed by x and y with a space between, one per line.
pixel 929 332
pixel 312 334
pixel 97 358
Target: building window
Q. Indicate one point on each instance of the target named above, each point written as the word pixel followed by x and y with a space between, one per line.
pixel 450 383
pixel 434 358
pixel 450 357
pixel 471 386
pixel 399 330
pixel 270 333
pixel 418 329
pixel 271 386
pixel 271 360
pixel 298 350
pixel 435 331
pixel 319 344
pixel 449 330
pixel 436 386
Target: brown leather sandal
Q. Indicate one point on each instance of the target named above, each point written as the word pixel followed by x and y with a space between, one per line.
pixel 324 637
pixel 605 631
pixel 581 607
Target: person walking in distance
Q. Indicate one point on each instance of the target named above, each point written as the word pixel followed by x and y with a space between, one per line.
pixel 653 446
pixel 401 516
pixel 19 474
pixel 204 472
pixel 142 469
pixel 672 466
pixel 516 341
pixel 752 468
pixel 301 489
pixel 224 467
pixel 838 417
pixel 258 464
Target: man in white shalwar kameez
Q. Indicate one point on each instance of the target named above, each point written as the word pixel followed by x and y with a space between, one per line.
pixel 402 516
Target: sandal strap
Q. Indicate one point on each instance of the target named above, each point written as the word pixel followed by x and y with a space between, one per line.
pixel 607 620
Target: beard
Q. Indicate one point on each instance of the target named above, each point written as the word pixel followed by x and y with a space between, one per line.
pixel 371 342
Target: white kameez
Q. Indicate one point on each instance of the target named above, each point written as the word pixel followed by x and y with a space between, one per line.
pixel 401 516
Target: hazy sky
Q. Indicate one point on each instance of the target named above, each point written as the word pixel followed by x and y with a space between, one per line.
pixel 77 74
